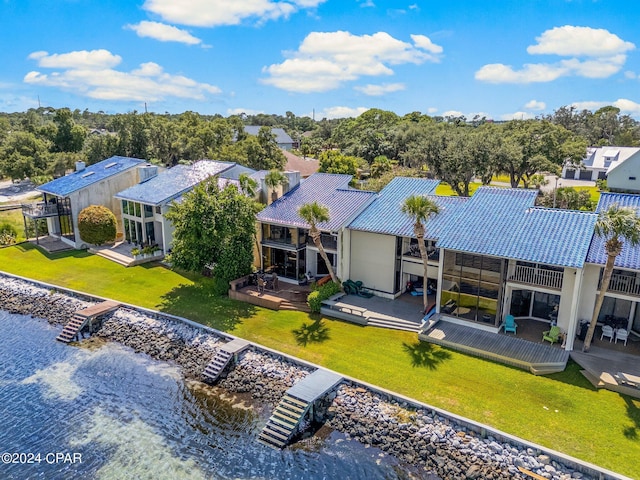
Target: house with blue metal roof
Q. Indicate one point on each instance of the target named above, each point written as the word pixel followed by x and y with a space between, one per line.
pixel 65 197
pixel 144 205
pixel 286 247
pixel 384 253
pixel 282 138
pixel 490 255
pixel 621 307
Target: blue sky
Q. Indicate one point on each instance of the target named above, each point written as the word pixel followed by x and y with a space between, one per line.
pixel 501 59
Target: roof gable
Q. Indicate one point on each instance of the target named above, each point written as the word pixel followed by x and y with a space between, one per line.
pixel 505 223
pixel 172 183
pixel 629 256
pixel 90 175
pixel 330 190
pixel 385 215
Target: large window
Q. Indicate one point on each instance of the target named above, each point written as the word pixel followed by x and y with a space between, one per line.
pixel 472 286
pixel 286 263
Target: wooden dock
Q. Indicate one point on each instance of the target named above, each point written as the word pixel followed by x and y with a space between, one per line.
pixel 538 358
pixel 222 358
pixel 83 317
pixel 294 405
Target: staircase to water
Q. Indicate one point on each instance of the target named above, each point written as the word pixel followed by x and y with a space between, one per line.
pixel 72 328
pixel 217 365
pixel 284 421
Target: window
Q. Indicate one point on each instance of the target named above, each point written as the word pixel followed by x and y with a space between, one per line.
pixel 148 211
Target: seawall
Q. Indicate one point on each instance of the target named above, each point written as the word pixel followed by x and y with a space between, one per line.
pixel 434 440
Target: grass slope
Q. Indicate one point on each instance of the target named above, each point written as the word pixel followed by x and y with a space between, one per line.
pixel 562 411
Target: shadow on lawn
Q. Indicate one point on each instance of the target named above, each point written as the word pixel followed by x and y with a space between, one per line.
pixel 316 332
pixel 198 302
pixel 633 412
pixel 424 354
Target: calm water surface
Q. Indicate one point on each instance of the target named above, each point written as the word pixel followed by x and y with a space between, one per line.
pixel 127 416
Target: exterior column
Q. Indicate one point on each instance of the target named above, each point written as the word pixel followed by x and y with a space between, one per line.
pixel 440 273
pixel 573 318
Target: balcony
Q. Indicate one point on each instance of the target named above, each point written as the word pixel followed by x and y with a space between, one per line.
pixel 625 284
pixel 433 254
pixel 41 210
pixel 328 241
pixel 540 277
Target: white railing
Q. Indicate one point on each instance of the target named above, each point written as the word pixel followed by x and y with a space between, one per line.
pixel 538 276
pixel 624 284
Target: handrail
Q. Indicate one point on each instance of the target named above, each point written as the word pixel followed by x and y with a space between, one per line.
pixel 538 276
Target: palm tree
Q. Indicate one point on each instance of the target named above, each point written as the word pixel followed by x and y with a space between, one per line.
pixel 314 213
pixel 613 224
pixel 248 185
pixel 273 180
pixel 420 209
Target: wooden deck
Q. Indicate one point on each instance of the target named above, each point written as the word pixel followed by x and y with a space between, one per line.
pixel 611 370
pixel 315 385
pixel 538 358
pixel 98 309
pixel 235 346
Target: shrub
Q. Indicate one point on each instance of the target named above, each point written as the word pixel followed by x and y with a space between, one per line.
pixel 97 225
pixel 8 234
pixel 315 298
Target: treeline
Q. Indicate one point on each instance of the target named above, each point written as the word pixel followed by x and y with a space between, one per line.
pixel 42 143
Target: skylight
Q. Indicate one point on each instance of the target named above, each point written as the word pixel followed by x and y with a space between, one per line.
pixel 88 174
pixel 112 164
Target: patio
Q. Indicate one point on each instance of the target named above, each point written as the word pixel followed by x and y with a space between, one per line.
pixel 120 252
pixel 50 244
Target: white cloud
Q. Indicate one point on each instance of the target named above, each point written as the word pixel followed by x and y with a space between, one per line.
pixel 86 59
pixel 630 75
pixel 596 53
pixel 535 105
pixel 570 41
pixel 625 105
pixel 211 13
pixel 163 33
pixel 339 112
pixel 452 113
pixel 240 111
pixel 378 90
pixel 366 3
pixel 516 116
pixel 149 82
pixel 431 110
pixel 326 60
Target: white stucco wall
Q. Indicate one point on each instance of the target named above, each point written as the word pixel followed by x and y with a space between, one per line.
pixel 588 291
pixel 373 260
pixel 626 176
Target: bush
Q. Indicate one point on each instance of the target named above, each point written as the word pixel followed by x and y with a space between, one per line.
pixel 97 225
pixel 8 234
pixel 315 298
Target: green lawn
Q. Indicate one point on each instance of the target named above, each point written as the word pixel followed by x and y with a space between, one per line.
pixel 560 411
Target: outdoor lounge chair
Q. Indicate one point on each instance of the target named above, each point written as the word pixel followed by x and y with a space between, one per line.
pixel 509 324
pixel 607 331
pixel 622 334
pixel 552 335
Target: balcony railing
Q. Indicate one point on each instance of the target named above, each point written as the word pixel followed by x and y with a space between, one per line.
pixel 38 210
pixel 328 241
pixel 627 284
pixel 414 252
pixel 538 276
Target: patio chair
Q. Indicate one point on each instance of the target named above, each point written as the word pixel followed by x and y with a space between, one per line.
pixel 509 324
pixel 552 335
pixel 607 331
pixel 622 334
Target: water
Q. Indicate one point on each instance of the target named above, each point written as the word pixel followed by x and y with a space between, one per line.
pixel 105 412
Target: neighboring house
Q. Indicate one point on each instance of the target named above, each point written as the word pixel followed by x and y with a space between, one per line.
pixel 65 197
pixel 285 244
pixel 490 255
pixel 283 139
pixel 306 166
pixel 384 253
pixel 622 300
pixel 620 166
pixel 144 205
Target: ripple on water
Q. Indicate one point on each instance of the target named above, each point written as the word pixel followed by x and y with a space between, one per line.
pixel 133 417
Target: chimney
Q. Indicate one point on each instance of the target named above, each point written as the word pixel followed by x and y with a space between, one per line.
pixel 147 172
pixel 80 166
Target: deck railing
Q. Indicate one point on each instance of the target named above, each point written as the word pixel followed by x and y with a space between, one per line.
pixel 538 276
pixel 627 284
pixel 36 210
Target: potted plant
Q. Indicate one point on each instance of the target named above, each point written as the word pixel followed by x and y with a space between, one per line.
pixel 135 252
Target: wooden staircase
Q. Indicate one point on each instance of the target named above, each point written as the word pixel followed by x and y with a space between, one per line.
pixel 294 306
pixel 71 329
pixel 217 365
pixel 394 324
pixel 284 422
